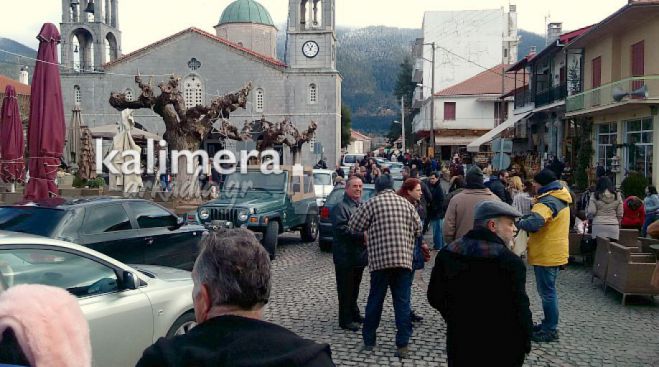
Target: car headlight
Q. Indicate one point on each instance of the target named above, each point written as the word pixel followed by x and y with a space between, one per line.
pixel 243 215
pixel 204 214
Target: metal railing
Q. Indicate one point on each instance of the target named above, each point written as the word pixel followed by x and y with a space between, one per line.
pixel 551 95
pixel 614 93
pixel 523 99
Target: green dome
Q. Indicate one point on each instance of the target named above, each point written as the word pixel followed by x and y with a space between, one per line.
pixel 245 11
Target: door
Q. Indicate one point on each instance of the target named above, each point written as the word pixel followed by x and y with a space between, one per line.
pixel 120 321
pixel 165 241
pixel 108 229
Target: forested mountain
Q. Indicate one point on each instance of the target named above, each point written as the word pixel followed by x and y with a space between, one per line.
pixel 10 65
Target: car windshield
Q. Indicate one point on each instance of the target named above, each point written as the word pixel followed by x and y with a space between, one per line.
pixel 337 195
pixel 39 221
pixel 322 179
pixel 255 181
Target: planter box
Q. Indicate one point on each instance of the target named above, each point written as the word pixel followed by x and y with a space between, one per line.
pixel 70 192
pixel 65 182
pixel 10 198
pixel 91 192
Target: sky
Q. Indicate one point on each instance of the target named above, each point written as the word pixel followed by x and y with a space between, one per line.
pixel 145 21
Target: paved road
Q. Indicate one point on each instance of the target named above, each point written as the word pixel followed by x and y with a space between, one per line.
pixel 595 329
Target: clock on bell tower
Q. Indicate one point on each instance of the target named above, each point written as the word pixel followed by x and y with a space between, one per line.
pixel 311 35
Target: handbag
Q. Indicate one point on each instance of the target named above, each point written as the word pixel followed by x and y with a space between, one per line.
pixel 520 243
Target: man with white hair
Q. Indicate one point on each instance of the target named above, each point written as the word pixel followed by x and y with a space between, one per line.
pixel 479 287
pixel 231 286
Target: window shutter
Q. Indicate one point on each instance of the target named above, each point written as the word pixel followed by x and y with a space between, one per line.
pixel 638 63
pixel 449 111
pixel 597 72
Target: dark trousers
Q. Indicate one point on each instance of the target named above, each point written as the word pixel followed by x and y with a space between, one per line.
pixel 399 280
pixel 348 279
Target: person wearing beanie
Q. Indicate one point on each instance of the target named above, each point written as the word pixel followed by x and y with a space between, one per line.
pixel 459 216
pixel 548 226
pixel 480 266
pixel 42 325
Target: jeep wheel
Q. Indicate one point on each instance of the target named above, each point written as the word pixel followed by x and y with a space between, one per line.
pixel 309 231
pixel 270 238
pixel 325 246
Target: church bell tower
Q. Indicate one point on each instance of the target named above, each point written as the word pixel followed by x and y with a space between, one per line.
pixel 311 35
pixel 90 34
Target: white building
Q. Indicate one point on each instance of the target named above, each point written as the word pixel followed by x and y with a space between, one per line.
pixel 465 42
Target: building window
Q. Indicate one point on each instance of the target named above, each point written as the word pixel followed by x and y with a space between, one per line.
pixel 76 94
pixel 129 95
pixel 449 111
pixel 193 91
pixel 607 136
pixel 597 80
pixel 259 100
pixel 638 142
pixel 638 63
pixel 313 94
pixel 312 144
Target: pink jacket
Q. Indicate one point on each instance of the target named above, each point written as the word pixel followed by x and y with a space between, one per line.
pixel 459 217
pixel 48 324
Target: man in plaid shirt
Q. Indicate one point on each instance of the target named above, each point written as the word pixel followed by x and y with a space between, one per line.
pixel 391 224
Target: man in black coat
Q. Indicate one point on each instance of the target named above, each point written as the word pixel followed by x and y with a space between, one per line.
pixel 497 184
pixel 231 279
pixel 478 285
pixel 349 255
pixel 436 211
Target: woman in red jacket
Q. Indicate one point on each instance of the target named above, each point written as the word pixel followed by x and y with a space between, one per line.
pixel 633 213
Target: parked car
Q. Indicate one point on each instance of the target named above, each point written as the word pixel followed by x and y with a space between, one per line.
pixel 268 204
pixel 128 307
pixel 323 184
pixel 351 159
pixel 133 231
pixel 326 234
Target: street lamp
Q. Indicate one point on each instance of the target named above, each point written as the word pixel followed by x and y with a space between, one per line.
pixel 432 96
pixel 402 127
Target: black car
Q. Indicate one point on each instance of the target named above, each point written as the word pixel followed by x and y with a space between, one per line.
pixel 325 232
pixel 132 231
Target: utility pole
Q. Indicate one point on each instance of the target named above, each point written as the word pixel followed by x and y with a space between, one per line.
pixel 432 104
pixel 402 120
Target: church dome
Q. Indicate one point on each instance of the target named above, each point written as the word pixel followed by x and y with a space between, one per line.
pixel 246 11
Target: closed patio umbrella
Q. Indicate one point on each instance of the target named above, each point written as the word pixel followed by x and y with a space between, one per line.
pixel 121 142
pixel 12 165
pixel 73 137
pixel 46 129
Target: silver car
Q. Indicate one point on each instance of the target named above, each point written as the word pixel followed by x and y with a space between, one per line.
pixel 128 308
pixel 323 184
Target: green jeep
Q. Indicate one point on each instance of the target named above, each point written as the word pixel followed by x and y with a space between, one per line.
pixel 268 204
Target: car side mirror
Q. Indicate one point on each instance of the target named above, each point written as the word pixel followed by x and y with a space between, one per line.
pixel 130 280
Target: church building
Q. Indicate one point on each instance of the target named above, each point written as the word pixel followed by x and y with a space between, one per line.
pixel 303 87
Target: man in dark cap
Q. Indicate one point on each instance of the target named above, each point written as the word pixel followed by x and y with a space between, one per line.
pixel 392 226
pixel 459 217
pixel 548 226
pixel 478 285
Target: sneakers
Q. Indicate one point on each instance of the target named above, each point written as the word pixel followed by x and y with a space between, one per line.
pixel 368 348
pixel 402 352
pixel 544 336
pixel 537 327
pixel 415 317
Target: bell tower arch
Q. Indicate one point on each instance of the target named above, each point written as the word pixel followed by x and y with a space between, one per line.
pixel 90 34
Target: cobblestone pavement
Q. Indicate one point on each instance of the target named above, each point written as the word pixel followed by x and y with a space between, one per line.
pixel 595 329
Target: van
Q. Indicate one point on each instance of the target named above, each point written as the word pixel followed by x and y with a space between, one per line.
pixel 352 159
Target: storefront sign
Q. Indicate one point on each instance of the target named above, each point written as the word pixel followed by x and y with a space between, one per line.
pixel 481 159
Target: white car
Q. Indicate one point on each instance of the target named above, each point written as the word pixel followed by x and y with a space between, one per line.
pixel 128 308
pixel 323 184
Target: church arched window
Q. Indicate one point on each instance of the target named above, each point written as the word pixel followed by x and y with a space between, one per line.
pixel 259 100
pixel 313 93
pixel 193 91
pixel 76 94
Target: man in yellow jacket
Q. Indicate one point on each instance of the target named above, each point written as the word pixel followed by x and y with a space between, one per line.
pixel 548 226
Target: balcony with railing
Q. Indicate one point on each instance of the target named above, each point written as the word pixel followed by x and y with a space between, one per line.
pixel 417 72
pixel 523 98
pixel 417 98
pixel 551 95
pixel 625 91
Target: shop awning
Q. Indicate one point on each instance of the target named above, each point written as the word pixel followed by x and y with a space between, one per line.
pixel 476 144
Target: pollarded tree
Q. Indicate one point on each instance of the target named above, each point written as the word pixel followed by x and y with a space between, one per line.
pixel 186 128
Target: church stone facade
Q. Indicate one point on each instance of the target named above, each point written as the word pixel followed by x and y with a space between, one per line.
pixel 306 88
